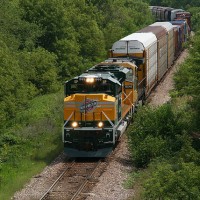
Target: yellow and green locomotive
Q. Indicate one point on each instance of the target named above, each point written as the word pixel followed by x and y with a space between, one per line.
pixel 98 107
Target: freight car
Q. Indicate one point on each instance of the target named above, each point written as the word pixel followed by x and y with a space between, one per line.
pixel 99 104
pixel 170 14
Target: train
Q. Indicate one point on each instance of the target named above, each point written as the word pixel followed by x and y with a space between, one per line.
pixel 99 104
pixel 170 14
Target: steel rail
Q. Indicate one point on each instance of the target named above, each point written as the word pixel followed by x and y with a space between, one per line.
pixel 86 181
pixel 56 181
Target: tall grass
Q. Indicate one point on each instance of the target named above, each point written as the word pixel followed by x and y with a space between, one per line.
pixel 32 142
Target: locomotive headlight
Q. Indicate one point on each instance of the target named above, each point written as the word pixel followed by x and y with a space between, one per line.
pixel 100 124
pixel 74 124
pixel 89 80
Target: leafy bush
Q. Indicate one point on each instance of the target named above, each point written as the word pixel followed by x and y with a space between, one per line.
pixel 10 139
pixel 149 132
pixel 195 17
pixel 173 181
pixel 175 3
pixel 148 149
pixel 156 132
pixel 187 81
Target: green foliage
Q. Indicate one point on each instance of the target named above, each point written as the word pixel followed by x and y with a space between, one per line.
pixel 9 139
pixel 148 149
pixel 16 33
pixel 85 29
pixel 187 79
pixel 71 38
pixel 163 132
pixel 45 14
pixel 185 4
pixel 13 91
pixel 20 79
pixel 195 11
pixel 158 132
pixel 188 153
pixel 22 76
pixel 173 181
pixel 32 143
pixel 40 70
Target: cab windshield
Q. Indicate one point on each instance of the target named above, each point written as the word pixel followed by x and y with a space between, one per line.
pixel 106 88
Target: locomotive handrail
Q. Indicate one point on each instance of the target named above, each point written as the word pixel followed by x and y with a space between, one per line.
pixel 108 119
pixel 141 81
pixel 68 119
pixel 126 96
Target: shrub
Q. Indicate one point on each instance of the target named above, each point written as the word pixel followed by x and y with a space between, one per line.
pixel 173 181
pixel 149 148
pixel 153 134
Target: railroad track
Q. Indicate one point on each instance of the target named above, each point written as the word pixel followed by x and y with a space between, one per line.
pixel 76 180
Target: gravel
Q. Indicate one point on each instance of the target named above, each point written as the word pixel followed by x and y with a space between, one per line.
pixel 40 183
pixel 110 185
pixel 161 93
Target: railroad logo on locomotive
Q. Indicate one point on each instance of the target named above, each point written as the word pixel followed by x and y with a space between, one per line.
pixel 88 105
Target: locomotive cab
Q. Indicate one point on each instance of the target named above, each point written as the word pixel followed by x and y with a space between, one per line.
pixel 90 84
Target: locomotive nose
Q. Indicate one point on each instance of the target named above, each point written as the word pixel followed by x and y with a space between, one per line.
pixel 90 110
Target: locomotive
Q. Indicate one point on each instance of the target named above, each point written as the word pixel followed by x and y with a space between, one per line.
pixel 98 107
pixel 99 104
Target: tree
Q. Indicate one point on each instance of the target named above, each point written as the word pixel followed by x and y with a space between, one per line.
pixel 16 33
pixel 121 18
pixel 49 15
pixel 39 70
pixel 185 4
pixel 195 11
pixel 13 91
